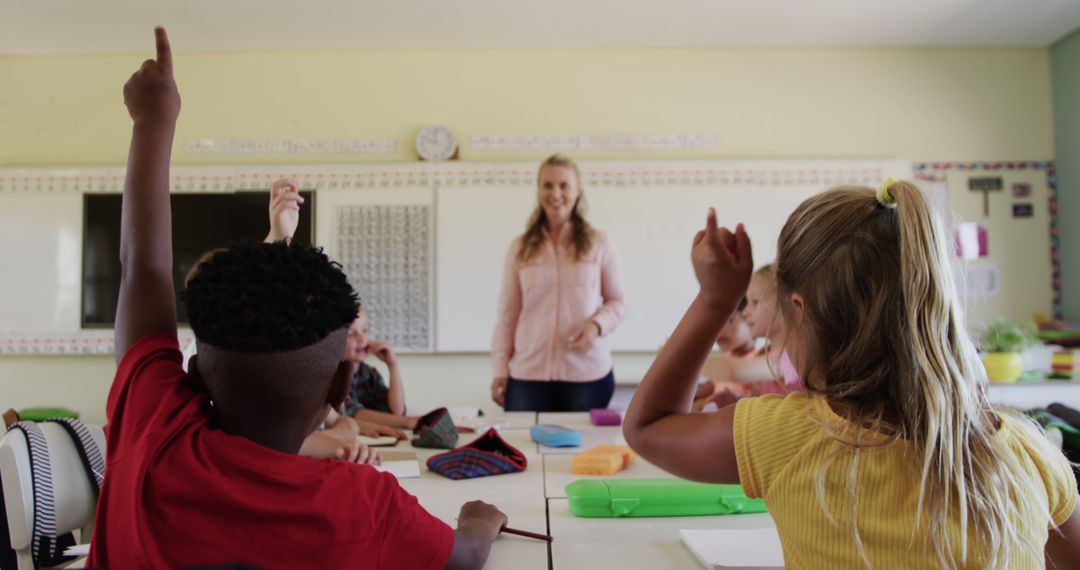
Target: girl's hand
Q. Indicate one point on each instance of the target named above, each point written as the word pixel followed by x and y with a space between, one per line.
pixel 723 263
pixel 583 339
pixel 370 429
pixel 285 200
pixel 382 350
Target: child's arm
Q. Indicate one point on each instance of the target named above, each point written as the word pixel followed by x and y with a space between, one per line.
pixel 1063 544
pixel 322 445
pixel 479 525
pixel 371 429
pixel 337 423
pixel 389 420
pixel 396 398
pixel 659 424
pixel 285 200
pixel 147 302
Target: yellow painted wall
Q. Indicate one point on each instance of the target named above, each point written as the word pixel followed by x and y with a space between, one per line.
pixel 921 104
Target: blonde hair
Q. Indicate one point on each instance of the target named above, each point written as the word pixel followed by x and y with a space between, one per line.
pixel 768 273
pixel 583 233
pixel 883 336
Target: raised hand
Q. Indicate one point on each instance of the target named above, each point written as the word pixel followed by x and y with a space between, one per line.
pixel 285 201
pixel 723 263
pixel 151 95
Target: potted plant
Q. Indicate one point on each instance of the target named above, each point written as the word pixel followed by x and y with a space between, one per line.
pixel 1002 343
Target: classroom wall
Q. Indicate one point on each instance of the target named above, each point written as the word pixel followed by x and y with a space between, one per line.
pixel 1065 61
pixel 920 104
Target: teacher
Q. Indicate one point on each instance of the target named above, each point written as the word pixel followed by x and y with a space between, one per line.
pixel 562 295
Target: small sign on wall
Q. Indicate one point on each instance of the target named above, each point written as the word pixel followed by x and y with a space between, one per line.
pixel 1023 210
pixel 1021 190
pixel 986 185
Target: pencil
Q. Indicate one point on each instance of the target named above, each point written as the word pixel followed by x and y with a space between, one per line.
pixel 544 537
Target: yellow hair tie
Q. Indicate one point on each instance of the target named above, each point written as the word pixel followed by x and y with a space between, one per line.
pixel 883 196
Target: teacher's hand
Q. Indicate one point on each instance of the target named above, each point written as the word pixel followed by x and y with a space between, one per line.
pixel 498 391
pixel 584 338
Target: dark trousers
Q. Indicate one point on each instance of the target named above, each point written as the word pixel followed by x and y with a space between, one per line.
pixel 559 396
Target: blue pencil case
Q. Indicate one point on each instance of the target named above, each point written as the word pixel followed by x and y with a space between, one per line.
pixel 552 435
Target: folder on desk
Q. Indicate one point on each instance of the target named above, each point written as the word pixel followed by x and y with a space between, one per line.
pixel 744 548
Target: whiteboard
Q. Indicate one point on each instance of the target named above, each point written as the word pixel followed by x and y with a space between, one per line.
pixel 650 210
pixel 41 245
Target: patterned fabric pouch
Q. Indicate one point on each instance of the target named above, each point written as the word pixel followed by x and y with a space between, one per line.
pixel 486 455
pixel 436 430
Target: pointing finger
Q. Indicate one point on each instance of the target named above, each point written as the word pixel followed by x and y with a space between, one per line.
pixel 711 231
pixel 164 50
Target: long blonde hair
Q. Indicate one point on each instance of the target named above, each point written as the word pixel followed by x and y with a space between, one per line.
pixel 582 236
pixel 883 336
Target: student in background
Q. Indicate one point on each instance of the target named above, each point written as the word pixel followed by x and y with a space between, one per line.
pixel 893 458
pixel 370 398
pixel 562 295
pixel 736 343
pixel 766 371
pixel 190 484
pixel 337 436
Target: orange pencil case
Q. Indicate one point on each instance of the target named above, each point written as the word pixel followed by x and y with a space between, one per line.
pixel 602 460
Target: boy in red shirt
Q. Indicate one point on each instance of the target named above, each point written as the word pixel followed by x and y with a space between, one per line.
pixel 193 483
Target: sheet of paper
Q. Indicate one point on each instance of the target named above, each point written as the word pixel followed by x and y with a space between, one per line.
pixel 77 550
pixel 400 464
pixel 407 469
pixel 735 548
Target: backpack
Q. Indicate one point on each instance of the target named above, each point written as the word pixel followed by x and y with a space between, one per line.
pixel 46 547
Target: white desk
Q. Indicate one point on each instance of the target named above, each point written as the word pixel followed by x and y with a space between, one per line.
pixel 557 474
pixel 572 420
pixel 518 420
pixel 519 495
pixel 582 543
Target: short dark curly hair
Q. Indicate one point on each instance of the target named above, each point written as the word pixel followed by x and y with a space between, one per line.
pixel 268 297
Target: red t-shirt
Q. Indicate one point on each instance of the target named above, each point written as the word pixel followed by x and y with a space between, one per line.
pixel 178 492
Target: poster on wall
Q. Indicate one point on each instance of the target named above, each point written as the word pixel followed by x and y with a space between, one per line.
pixel 385 250
pixel 982 280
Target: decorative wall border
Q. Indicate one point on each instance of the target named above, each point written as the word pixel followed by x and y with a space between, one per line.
pixel 354 177
pixel 935 171
pixel 79 343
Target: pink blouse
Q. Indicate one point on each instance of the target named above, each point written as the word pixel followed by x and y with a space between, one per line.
pixel 546 300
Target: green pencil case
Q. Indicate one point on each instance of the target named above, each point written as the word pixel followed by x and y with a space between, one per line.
pixel 667 497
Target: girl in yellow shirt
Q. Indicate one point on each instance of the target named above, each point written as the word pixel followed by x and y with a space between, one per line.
pixel 893 458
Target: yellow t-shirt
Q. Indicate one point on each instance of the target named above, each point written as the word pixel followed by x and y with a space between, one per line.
pixel 780 443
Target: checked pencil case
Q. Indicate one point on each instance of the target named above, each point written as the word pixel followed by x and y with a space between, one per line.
pixel 485 456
